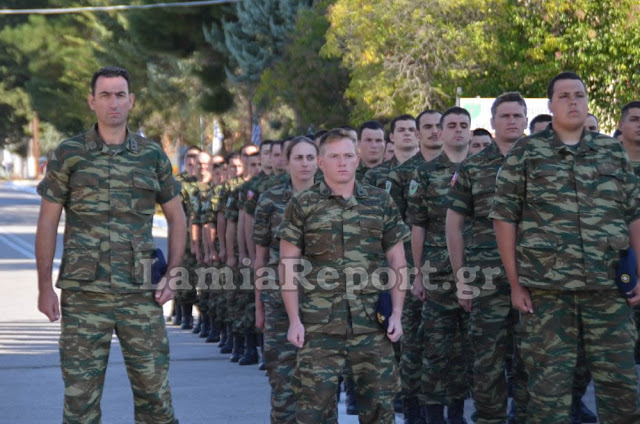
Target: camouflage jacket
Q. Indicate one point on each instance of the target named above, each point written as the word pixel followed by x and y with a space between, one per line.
pixel 341 234
pixel 259 184
pixel 398 180
pixel 471 194
pixel 377 176
pixel 571 208
pixel 228 196
pixel 361 171
pixel 109 195
pixel 427 207
pixel 267 220
pixel 202 203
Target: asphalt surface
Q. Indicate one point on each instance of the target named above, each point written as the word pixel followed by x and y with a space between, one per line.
pixel 206 387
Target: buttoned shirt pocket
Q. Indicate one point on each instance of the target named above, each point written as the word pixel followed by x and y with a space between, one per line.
pixel 537 255
pixel 320 241
pixel 144 191
pixel 541 184
pixel 83 191
pixel 610 182
pixel 80 260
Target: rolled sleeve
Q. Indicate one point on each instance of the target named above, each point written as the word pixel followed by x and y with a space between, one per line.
pixel 460 197
pixel 261 228
pixel 510 186
pixel 169 186
pixel 394 229
pixel 54 187
pixel 292 227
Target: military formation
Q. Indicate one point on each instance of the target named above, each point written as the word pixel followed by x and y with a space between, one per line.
pixel 415 269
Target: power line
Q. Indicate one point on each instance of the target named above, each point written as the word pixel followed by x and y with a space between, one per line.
pixel 60 11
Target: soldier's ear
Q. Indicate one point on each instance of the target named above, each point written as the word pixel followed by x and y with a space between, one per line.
pixel 492 122
pixel 132 100
pixel 90 101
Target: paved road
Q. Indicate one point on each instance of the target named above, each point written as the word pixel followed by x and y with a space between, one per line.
pixel 205 385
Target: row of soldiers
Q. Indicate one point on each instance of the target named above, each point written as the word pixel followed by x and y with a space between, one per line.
pixel 459 325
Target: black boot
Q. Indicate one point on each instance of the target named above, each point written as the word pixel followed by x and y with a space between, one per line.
pixel 213 335
pixel 580 413
pixel 228 345
pixel 350 396
pixel 262 365
pixel 411 411
pixel 187 316
pixel 223 335
pixel 206 327
pixel 198 327
pixel 511 417
pixel 250 356
pixel 238 348
pixel 434 413
pixel 397 404
pixel 455 412
pixel 177 318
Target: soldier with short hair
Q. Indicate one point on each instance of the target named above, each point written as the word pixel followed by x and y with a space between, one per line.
pixel 340 226
pixel 108 182
pixel 566 206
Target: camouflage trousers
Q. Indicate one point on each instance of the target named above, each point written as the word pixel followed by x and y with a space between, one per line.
pixel 549 348
pixel 412 345
pixel 187 292
pixel 446 357
pixel 280 358
pixel 490 323
pixel 88 322
pixel 320 362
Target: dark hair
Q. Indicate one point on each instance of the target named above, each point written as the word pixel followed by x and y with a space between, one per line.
pixel 404 117
pixel 426 112
pixel 480 132
pixel 232 156
pixel 543 117
pixel 192 148
pixel 335 134
pixel 348 128
pixel 617 133
pixel 563 76
pixel 110 72
pixel 298 140
pixel 509 96
pixel 275 143
pixel 320 133
pixel 265 143
pixel 626 108
pixel 370 125
pixel 456 110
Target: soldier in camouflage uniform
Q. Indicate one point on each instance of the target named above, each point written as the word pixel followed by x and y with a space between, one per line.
pixel 566 206
pixel 108 181
pixel 483 289
pixel 444 378
pixel 370 147
pixel 271 317
pixel 403 136
pixel 397 185
pixel 336 225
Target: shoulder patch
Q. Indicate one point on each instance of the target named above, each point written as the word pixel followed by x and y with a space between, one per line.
pixel 413 187
pixel 454 179
pixel 250 195
pixel 387 186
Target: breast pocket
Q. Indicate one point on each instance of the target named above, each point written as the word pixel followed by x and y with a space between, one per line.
pixel 83 191
pixel 541 183
pixel 145 186
pixel 610 184
pixel 321 241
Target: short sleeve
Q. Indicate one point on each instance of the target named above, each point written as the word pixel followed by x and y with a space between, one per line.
pixel 394 230
pixel 169 186
pixel 262 233
pixel 417 208
pixel 54 187
pixel 460 197
pixel 292 227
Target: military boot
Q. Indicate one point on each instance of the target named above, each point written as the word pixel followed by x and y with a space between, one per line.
pixel 213 335
pixel 206 327
pixel 238 348
pixel 177 318
pixel 350 396
pixel 223 334
pixel 434 413
pixel 262 365
pixel 228 344
pixel 187 316
pixel 250 356
pixel 411 411
pixel 455 412
pixel 198 327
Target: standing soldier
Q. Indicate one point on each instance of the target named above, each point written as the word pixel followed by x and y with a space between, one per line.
pixel 444 377
pixel 566 206
pixel 338 226
pixel 108 181
pixel 397 184
pixel 483 289
pixel 271 317
pixel 370 147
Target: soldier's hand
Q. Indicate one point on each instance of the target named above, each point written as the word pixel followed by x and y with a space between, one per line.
pixel 394 330
pixel 521 299
pixel 48 304
pixel 417 289
pixel 260 316
pixel 633 301
pixel 164 293
pixel 295 335
pixel 466 304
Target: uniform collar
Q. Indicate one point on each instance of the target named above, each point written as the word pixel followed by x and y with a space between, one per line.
pixel 359 190
pixel 95 142
pixel 586 141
